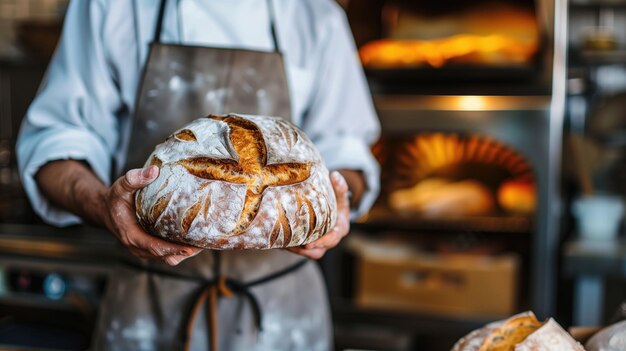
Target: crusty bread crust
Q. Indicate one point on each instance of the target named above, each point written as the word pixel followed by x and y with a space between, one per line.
pixel 474 340
pixel 522 332
pixel 238 182
pixel 512 332
pixel 550 337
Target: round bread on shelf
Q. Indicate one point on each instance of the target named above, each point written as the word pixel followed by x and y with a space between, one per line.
pixel 518 196
pixel 238 182
pixel 439 198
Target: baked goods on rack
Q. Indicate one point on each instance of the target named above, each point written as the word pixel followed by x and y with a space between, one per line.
pixel 238 182
pixel 518 196
pixel 437 197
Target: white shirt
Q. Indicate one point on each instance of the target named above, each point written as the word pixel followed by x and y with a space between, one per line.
pixel 87 98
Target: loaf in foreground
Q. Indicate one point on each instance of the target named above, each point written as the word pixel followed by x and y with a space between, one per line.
pixel 238 182
pixel 522 332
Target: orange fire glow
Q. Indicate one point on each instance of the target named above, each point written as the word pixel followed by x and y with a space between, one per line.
pixel 489 33
pixel 463 48
pixel 427 152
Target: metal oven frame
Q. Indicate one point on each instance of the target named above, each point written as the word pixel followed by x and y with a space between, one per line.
pixel 533 124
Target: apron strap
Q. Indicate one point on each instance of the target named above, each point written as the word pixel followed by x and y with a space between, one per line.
pixel 270 10
pixel 159 22
pixel 272 16
pixel 212 289
pixel 226 287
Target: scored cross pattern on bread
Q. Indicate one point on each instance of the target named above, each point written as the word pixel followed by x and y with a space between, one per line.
pixel 251 168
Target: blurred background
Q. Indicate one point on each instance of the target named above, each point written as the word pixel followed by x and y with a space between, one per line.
pixel 503 156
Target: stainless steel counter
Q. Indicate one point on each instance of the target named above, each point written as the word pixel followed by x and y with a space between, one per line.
pixel 81 243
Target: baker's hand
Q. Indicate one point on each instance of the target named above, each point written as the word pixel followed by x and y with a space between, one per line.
pixel 318 248
pixel 120 219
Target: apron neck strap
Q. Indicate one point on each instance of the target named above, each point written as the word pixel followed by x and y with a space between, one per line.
pixel 159 22
pixel 270 10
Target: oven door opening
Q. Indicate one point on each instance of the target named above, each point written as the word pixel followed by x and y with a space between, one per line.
pixel 454 180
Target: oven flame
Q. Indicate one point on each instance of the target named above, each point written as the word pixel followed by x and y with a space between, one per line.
pixel 472 103
pixel 488 34
pixel 494 49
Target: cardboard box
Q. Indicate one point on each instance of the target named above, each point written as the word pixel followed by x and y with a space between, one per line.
pixel 456 286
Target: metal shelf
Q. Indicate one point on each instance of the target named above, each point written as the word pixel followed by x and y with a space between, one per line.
pixel 75 244
pixel 592 4
pixel 594 258
pixel 385 219
pixel 597 58
pixel 344 310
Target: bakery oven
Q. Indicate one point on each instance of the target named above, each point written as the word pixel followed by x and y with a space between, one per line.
pixel 447 176
pixel 492 47
pixel 470 95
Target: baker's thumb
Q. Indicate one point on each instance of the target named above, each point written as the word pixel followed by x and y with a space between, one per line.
pixel 136 179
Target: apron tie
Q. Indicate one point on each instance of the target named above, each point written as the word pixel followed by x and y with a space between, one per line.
pixel 209 295
pixel 222 287
pixel 212 289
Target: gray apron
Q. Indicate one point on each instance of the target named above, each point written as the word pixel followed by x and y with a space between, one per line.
pixel 265 300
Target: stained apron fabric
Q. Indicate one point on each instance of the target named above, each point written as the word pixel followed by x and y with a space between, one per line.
pixel 147 311
pixel 144 311
pixel 184 83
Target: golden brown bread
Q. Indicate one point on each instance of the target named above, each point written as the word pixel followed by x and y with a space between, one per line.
pixel 438 198
pixel 238 182
pixel 522 332
pixel 511 333
pixel 518 196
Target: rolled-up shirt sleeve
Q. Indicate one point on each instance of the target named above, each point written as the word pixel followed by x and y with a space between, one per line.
pixel 73 115
pixel 341 119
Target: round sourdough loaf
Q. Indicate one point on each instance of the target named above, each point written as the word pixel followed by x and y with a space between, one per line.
pixel 238 182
